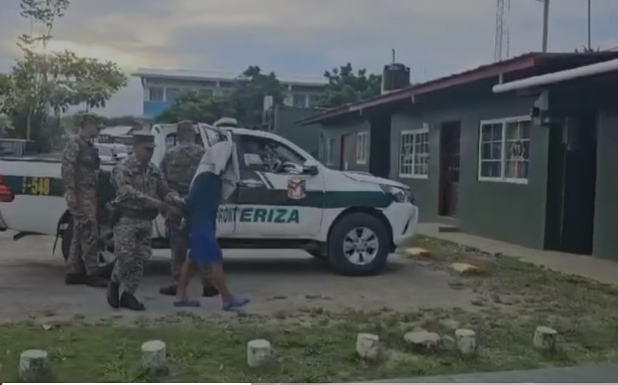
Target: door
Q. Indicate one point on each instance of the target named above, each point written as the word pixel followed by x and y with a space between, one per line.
pixel 571 188
pixel 449 169
pixel 272 203
pixel 348 152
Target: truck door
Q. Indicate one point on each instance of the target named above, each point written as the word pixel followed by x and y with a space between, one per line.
pixel 275 205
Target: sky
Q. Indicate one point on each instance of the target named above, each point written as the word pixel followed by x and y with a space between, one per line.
pixel 304 37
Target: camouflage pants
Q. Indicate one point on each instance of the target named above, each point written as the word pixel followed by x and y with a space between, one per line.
pixel 82 258
pixel 179 245
pixel 132 248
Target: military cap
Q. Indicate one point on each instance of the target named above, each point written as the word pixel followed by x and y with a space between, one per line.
pixel 185 126
pixel 144 140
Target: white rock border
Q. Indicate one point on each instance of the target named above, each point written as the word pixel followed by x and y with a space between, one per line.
pixel 465 340
pixel 545 338
pixel 34 366
pixel 154 356
pixel 259 353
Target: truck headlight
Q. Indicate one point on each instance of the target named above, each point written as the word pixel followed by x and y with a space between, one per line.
pixel 400 195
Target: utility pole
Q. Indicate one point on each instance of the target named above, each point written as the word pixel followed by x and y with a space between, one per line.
pixel 545 24
pixel 589 24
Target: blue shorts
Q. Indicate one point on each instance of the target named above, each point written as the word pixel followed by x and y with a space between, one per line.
pixel 204 247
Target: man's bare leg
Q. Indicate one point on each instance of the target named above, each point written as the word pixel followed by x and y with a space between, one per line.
pixel 186 272
pixel 218 279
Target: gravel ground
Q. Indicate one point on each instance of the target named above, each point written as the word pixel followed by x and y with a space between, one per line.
pixel 31 286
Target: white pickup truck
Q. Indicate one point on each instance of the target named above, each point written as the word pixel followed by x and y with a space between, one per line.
pixel 285 199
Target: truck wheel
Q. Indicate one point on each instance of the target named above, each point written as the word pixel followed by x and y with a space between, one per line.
pixel 65 244
pixel 358 245
pixel 67 234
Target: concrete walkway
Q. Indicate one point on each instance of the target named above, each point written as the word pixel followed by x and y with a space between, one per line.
pixel 601 270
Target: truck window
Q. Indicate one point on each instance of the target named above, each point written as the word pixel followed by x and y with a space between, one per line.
pixel 260 153
pixel 172 139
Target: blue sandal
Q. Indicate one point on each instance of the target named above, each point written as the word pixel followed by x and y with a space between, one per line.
pixel 235 303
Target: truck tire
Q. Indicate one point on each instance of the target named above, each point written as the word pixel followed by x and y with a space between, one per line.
pixel 369 256
pixel 65 243
pixel 106 266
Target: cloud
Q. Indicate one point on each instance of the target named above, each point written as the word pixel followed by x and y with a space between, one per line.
pixel 300 37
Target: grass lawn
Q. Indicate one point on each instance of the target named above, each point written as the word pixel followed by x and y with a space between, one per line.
pixel 315 346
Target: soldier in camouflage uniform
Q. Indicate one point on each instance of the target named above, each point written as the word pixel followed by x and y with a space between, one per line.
pixel 178 167
pixel 141 193
pixel 80 166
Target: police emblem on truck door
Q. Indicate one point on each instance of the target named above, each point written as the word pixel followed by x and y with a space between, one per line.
pixel 297 188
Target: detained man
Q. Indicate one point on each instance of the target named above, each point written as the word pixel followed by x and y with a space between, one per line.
pixel 214 181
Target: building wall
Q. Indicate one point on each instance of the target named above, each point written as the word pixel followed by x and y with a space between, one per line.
pixel 336 133
pixel 600 96
pixel 504 211
pixel 159 94
pixel 606 202
pixel 307 138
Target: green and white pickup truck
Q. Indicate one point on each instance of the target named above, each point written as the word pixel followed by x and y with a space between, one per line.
pixel 285 199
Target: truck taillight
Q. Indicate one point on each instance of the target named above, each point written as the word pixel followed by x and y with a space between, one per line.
pixel 6 195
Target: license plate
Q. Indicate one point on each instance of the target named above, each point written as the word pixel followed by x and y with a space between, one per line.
pixel 34 185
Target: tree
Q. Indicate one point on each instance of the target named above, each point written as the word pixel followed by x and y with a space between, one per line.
pixel 42 83
pixel 247 99
pixel 346 86
pixel 245 103
pixel 197 106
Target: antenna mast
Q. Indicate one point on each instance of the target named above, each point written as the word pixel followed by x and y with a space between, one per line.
pixel 499 33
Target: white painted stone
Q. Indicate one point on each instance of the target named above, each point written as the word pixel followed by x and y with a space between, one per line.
pixel 545 338
pixel 259 353
pixel 465 268
pixel 34 366
pixel 368 346
pixel 466 341
pixel 417 252
pixel 154 355
pixel 422 340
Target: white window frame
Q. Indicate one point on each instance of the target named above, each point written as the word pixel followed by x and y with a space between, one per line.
pixel 413 133
pixel 501 178
pixel 150 89
pixel 328 151
pixel 362 147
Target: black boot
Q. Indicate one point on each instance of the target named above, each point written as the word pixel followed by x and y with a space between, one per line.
pixel 168 290
pixel 113 294
pixel 95 280
pixel 129 301
pixel 210 291
pixel 75 279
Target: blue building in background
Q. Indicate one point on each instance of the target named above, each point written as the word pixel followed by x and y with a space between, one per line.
pixel 162 87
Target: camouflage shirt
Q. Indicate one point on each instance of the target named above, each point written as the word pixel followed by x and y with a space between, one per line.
pixel 80 165
pixel 179 165
pixel 139 187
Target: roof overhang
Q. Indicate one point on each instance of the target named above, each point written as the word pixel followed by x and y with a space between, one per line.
pixel 520 63
pixel 410 93
pixel 558 77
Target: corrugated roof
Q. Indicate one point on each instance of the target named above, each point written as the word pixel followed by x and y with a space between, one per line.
pixel 189 74
pixel 522 62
